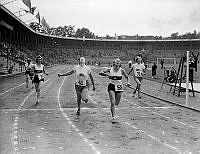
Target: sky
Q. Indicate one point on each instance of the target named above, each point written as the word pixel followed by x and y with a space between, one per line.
pixel 120 17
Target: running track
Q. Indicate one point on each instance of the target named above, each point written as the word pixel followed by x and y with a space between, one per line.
pixel 145 126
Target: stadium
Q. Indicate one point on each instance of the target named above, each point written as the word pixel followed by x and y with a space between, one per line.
pixel 161 121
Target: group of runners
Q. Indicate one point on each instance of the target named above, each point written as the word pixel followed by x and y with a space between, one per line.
pixel 82 72
pixel 35 72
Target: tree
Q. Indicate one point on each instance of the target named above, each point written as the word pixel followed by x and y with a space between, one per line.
pixel 84 32
pixel 109 37
pixel 68 31
pixel 174 35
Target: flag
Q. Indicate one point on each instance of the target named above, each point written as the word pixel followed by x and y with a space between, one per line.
pixel 53 31
pixel 32 10
pixel 27 3
pixel 38 16
pixel 44 24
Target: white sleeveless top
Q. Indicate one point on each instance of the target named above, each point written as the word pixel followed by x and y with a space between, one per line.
pixel 39 70
pixel 28 66
pixel 138 69
pixel 115 77
pixel 82 74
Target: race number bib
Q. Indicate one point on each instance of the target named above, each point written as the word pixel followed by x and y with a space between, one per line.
pixel 139 74
pixel 119 87
pixel 81 80
pixel 81 83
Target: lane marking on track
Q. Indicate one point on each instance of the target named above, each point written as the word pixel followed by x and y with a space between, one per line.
pixel 152 137
pixel 15 138
pixel 140 130
pixel 147 109
pixel 83 108
pixel 15 87
pixel 12 89
pixel 71 123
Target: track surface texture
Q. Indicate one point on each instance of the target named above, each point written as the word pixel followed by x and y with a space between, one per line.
pixel 144 126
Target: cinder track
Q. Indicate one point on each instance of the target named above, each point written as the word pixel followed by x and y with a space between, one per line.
pixel 148 126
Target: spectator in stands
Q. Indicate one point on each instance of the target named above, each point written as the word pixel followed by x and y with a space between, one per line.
pixel 153 70
pixel 28 71
pixel 162 63
pixel 10 70
pixel 115 87
pixel 195 57
pixel 39 70
pixel 138 71
pixel 82 72
pixel 171 75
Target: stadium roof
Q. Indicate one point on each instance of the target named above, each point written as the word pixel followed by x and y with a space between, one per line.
pixel 5 10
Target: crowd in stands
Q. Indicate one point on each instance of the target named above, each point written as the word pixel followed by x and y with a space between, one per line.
pixel 13 59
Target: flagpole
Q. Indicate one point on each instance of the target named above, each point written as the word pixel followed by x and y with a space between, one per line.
pixel 187 80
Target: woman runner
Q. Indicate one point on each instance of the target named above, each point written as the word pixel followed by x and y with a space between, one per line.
pixel 115 87
pixel 38 69
pixel 28 72
pixel 81 83
pixel 138 72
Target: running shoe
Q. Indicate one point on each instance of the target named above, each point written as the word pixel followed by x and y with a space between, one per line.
pixel 86 100
pixel 42 79
pixel 114 119
pixel 78 112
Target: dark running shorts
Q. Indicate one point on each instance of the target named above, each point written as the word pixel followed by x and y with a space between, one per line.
pixel 29 73
pixel 112 88
pixel 140 78
pixel 36 79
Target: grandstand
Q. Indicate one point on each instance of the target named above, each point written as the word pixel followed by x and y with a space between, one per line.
pixel 19 41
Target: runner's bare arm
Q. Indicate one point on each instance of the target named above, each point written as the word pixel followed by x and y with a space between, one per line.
pixel 66 74
pixel 126 76
pixel 134 74
pixel 33 68
pixel 104 72
pixel 130 71
pixel 44 71
pixel 92 80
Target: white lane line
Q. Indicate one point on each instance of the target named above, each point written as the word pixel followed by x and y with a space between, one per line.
pixel 68 109
pixel 14 87
pixel 70 122
pixel 156 107
pixel 11 89
pixel 155 138
pixel 156 113
pixel 15 138
pixel 152 137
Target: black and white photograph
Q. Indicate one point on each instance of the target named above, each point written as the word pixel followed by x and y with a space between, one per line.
pixel 99 77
